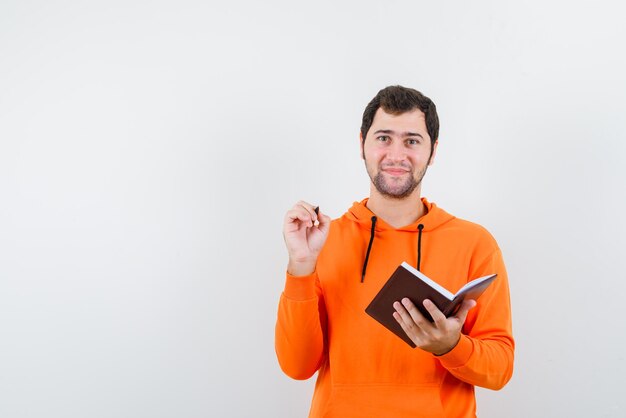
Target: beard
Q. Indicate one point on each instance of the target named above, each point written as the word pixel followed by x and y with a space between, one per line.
pixel 396 188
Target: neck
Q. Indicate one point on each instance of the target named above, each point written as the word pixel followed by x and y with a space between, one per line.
pixel 396 212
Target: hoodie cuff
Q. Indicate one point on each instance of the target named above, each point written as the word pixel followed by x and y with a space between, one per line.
pixel 459 355
pixel 300 287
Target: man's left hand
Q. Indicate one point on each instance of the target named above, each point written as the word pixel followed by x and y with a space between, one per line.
pixel 438 337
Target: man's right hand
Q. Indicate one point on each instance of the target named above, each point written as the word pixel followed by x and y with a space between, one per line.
pixel 304 239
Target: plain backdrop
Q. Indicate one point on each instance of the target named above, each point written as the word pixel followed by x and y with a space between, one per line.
pixel 149 151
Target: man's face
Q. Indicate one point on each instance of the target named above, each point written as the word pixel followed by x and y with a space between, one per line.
pixel 397 152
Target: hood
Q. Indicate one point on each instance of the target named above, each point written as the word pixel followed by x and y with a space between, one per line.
pixel 367 220
pixel 434 217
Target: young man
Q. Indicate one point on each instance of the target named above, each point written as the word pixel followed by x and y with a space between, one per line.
pixel 336 268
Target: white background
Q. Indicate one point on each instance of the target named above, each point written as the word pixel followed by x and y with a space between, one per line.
pixel 149 149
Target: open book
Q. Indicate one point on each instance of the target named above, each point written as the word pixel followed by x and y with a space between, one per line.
pixel 408 282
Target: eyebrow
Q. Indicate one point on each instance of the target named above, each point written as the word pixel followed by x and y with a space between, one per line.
pixel 389 131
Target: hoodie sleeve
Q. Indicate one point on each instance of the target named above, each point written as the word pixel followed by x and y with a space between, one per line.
pixel 301 327
pixel 484 354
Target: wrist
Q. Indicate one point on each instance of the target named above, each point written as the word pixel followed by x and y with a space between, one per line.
pixel 301 268
pixel 448 349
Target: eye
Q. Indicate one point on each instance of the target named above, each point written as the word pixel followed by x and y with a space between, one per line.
pixel 412 141
pixel 383 138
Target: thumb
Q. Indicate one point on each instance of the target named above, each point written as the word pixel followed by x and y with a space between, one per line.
pixel 465 308
pixel 324 222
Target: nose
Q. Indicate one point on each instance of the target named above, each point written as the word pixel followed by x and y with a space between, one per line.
pixel 396 152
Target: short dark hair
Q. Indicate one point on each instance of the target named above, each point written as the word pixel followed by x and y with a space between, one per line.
pixel 397 100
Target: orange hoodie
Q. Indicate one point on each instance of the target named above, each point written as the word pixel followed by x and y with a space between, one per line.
pixel 364 369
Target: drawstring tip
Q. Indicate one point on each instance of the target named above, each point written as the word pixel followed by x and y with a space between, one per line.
pixel 420 227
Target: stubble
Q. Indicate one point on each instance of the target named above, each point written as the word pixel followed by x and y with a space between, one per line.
pixel 396 189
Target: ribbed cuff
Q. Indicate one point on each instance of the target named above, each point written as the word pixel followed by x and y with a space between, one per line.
pixel 300 287
pixel 459 355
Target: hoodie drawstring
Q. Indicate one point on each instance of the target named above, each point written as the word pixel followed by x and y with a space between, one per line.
pixel 420 227
pixel 419 245
pixel 369 248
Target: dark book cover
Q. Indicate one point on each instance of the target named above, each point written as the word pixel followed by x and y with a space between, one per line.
pixel 408 282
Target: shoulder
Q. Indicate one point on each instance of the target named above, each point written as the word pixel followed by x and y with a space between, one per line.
pixel 342 226
pixel 469 226
pixel 471 233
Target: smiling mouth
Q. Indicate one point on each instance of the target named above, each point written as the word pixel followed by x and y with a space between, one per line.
pixel 395 171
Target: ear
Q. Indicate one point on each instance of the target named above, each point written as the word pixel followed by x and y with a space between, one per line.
pixel 432 157
pixel 361 144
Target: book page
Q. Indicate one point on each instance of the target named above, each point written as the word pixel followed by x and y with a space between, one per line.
pixel 475 283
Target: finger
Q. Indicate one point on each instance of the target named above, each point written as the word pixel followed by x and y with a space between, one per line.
pixel 403 314
pixel 468 304
pixel 403 325
pixel 298 214
pixel 416 315
pixel 316 214
pixel 296 220
pixel 438 317
pixel 404 319
pixel 309 208
pixel 324 222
